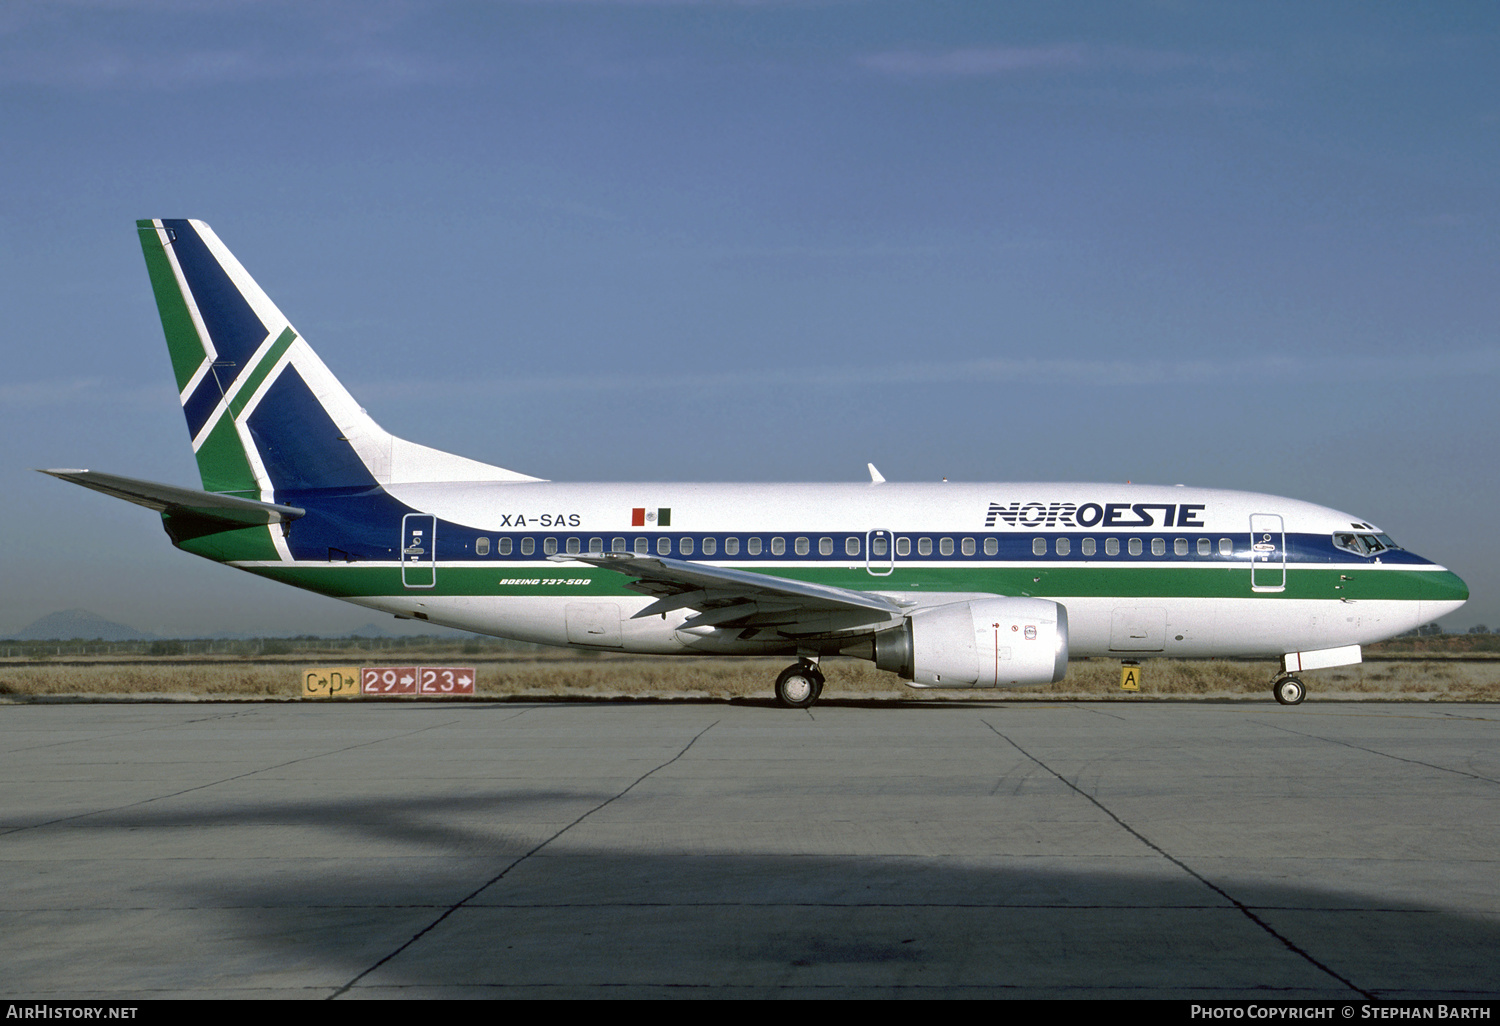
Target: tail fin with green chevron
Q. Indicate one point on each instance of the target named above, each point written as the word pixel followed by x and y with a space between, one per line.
pixel 265 415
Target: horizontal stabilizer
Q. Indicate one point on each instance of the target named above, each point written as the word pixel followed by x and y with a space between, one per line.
pixel 229 509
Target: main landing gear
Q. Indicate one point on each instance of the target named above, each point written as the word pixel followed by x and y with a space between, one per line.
pixel 799 685
pixel 1288 690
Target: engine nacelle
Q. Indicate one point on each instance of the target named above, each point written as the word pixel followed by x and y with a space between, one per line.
pixel 985 643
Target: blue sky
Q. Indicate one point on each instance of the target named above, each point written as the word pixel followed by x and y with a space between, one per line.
pixel 1237 245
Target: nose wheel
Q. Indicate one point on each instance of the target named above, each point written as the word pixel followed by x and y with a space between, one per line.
pixel 799 685
pixel 1288 690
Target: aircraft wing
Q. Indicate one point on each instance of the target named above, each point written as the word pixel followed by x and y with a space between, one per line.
pixel 230 509
pixel 724 598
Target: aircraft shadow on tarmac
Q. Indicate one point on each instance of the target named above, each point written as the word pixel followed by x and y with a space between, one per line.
pixel 464 895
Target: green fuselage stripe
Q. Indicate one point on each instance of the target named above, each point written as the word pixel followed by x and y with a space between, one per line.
pixel 345 580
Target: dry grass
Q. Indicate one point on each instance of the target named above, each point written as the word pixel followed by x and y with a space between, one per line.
pixel 548 675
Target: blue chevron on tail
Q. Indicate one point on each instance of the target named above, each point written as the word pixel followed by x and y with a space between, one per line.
pixel 265 415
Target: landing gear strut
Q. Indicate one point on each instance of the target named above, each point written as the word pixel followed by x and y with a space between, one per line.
pixel 1288 690
pixel 799 685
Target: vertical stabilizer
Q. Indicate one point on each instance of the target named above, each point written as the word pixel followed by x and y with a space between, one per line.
pixel 263 412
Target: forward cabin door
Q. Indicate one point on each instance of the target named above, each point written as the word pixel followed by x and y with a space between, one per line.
pixel 1267 552
pixel 419 550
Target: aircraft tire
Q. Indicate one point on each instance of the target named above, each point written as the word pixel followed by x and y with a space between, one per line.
pixel 799 686
pixel 1289 691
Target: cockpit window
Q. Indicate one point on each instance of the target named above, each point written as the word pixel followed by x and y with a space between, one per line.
pixel 1348 542
pixel 1363 544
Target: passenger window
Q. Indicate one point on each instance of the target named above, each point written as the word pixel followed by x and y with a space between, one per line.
pixel 528 546
pixel 825 546
pixel 617 545
pixel 1064 546
pixel 1180 547
pixel 504 546
pixel 753 546
pixel 710 546
pixel 596 546
pixel 574 547
pixel 991 546
pixel 642 546
pixel 903 546
pixel 924 546
pixel 481 546
pixel 778 546
pixel 881 545
pixel 1205 547
pixel 731 546
pixel 1135 546
pixel 549 546
pixel 968 547
pixel 1039 546
pixel 664 546
pixel 1226 547
pixel 1158 546
pixel 945 546
pixel 803 546
pixel 851 546
pixel 1088 546
pixel 685 546
pixel 1111 546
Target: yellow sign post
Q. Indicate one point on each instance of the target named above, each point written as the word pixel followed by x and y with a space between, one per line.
pixel 331 682
pixel 1130 677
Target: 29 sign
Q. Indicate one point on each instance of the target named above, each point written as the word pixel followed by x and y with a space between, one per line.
pixel 388 680
pixel 417 680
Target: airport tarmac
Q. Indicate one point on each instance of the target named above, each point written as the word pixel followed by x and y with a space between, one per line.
pixel 1336 851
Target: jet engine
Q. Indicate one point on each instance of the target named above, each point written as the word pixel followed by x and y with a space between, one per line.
pixel 984 643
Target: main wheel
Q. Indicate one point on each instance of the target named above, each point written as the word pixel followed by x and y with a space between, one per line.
pixel 799 686
pixel 1289 691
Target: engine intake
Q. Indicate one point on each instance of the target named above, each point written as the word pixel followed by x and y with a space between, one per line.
pixel 985 643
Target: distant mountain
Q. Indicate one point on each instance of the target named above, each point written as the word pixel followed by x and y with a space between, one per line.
pixel 79 625
pixel 82 625
pixel 371 630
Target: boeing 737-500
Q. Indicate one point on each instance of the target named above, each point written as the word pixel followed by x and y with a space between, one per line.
pixel 947 585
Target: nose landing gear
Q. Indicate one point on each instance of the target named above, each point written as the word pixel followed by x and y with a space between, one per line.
pixel 799 685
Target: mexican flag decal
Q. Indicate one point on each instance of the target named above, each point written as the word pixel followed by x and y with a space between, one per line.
pixel 641 516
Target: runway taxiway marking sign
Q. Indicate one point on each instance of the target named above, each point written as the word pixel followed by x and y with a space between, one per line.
pixel 330 682
pixel 354 681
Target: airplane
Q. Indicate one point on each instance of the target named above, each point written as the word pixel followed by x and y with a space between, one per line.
pixel 948 585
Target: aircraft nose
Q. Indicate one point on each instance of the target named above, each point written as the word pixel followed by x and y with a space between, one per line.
pixel 1447 593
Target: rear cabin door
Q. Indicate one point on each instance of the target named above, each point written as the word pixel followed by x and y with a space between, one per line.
pixel 419 550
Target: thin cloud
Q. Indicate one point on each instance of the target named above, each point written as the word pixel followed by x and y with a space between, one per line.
pixel 993 61
pixel 1275 370
pixel 110 44
pixel 105 66
pixel 974 61
pixel 82 393
pixel 1282 371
